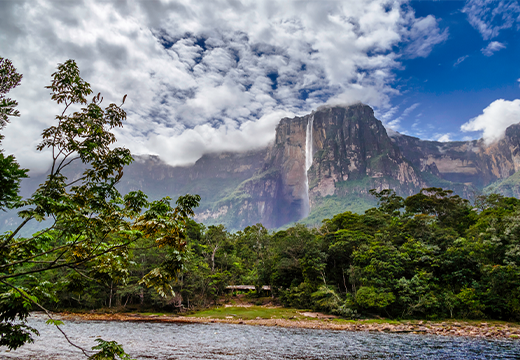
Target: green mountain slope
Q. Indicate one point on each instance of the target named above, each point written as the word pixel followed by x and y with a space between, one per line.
pixel 509 187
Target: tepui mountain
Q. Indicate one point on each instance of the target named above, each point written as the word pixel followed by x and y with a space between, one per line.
pixel 322 164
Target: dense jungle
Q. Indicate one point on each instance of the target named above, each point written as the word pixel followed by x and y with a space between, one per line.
pixel 432 255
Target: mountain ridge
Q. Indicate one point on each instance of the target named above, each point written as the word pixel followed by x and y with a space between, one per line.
pixel 321 164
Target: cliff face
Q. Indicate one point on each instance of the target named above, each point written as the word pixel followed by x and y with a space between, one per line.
pixel 212 176
pixel 352 153
pixel 331 153
pixel 319 165
pixel 469 162
pixel 277 194
pixel 286 157
pixel 324 163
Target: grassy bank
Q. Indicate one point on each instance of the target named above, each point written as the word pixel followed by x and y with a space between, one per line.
pixel 294 318
pixel 249 313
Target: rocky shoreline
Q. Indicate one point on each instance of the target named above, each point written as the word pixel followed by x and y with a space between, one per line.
pixel 447 328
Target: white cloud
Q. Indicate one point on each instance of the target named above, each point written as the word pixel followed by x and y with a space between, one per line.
pixel 206 76
pixel 490 17
pixel 191 144
pixel 461 59
pixel 389 114
pixel 392 133
pixel 518 82
pixel 495 119
pixel 424 35
pixel 444 137
pixel 409 109
pixel 394 123
pixel 492 48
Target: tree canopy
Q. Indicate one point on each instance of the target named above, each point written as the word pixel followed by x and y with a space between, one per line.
pixel 90 227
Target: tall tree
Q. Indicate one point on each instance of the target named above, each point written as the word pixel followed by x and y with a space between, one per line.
pixel 88 219
pixel 10 171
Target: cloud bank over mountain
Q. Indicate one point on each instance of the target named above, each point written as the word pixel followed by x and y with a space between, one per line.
pixel 495 119
pixel 208 75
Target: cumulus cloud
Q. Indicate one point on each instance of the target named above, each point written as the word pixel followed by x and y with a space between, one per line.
pixel 492 48
pixel 207 76
pixel 495 119
pixel 444 137
pixel 489 17
pixel 191 144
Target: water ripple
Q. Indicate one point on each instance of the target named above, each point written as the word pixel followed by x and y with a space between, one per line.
pixel 226 341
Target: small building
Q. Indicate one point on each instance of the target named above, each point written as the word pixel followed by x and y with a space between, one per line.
pixel 246 287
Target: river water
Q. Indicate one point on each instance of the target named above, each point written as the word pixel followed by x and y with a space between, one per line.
pixel 225 341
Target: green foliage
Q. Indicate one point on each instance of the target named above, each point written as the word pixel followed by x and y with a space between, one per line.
pixel 9 79
pixel 299 297
pixel 438 258
pixel 10 172
pixel 450 210
pixel 109 350
pixel 327 299
pixel 371 297
pixel 54 322
pixel 388 201
pixel 10 177
pixel 87 248
pixel 470 303
pixel 14 310
pixel 417 296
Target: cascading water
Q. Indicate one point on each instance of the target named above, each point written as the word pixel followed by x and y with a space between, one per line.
pixel 308 164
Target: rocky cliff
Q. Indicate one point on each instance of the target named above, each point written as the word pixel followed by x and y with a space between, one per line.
pixel 334 154
pixel 319 165
pixel 213 176
pixel 326 162
pixel 352 153
pixel 473 163
pixel 277 194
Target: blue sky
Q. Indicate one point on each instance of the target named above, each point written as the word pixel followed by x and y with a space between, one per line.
pixel 218 75
pixel 457 80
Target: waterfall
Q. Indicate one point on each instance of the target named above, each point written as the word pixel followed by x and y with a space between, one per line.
pixel 308 164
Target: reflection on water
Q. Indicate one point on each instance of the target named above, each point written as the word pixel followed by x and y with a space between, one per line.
pixel 224 341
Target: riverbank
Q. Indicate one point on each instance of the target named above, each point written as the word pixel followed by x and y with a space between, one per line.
pixel 155 339
pixel 291 318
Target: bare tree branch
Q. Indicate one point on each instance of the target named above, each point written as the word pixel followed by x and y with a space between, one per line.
pixel 85 352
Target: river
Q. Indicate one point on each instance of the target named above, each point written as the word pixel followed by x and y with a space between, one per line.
pixel 225 341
